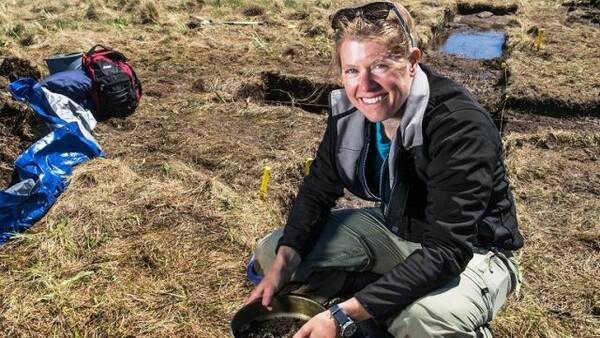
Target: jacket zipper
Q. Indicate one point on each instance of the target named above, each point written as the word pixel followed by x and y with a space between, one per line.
pixel 363 164
pixel 386 209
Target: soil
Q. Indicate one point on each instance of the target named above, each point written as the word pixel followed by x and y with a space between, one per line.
pixel 15 68
pixel 583 11
pixel 19 125
pixel 274 327
pixel 485 79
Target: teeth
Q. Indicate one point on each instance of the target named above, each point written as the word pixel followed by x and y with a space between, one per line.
pixel 372 100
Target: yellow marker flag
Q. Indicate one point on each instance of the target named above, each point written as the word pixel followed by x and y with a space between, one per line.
pixel 265 182
pixel 539 40
pixel 307 164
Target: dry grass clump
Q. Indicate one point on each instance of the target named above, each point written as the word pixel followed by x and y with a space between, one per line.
pixel 556 186
pixel 95 11
pixel 253 10
pixel 156 245
pixel 149 13
pixel 563 67
pixel 134 248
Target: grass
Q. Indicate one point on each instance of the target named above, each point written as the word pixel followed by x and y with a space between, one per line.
pixel 153 240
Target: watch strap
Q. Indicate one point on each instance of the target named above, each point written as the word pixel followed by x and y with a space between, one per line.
pixel 347 326
pixel 339 315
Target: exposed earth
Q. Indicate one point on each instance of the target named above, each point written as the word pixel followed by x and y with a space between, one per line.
pixel 485 79
pixel 153 240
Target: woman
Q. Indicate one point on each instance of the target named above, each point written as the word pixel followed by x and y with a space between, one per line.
pixel 435 258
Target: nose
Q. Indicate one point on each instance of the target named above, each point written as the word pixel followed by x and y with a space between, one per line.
pixel 367 82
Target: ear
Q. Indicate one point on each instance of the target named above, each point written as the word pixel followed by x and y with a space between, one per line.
pixel 413 58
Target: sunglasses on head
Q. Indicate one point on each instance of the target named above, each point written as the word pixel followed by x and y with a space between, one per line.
pixel 371 12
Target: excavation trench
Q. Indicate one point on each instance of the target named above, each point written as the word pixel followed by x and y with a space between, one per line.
pixel 470 47
pixel 275 88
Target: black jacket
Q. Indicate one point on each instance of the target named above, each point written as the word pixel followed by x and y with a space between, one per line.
pixel 446 188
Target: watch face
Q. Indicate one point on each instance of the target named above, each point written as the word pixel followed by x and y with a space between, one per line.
pixel 349 329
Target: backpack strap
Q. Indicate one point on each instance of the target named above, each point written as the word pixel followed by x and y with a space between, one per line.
pixel 107 52
pixel 93 49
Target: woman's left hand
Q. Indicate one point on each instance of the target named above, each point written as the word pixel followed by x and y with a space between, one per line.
pixel 322 325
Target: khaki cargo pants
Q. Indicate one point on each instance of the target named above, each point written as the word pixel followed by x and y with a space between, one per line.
pixel 355 240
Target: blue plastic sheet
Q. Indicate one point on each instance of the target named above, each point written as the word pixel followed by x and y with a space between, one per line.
pixel 45 167
pixel 254 277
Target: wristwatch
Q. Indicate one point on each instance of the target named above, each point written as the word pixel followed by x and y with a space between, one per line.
pixel 347 325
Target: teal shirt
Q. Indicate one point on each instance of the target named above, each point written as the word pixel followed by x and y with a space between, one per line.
pixel 383 144
pixel 380 146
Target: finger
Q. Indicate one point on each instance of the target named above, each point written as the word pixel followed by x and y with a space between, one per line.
pixel 254 295
pixel 267 299
pixel 249 300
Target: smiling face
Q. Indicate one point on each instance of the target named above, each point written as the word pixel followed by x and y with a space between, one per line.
pixel 377 85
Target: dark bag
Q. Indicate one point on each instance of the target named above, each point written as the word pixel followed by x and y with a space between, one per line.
pixel 116 90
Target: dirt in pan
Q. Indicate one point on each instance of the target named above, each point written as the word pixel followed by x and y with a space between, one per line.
pixel 273 327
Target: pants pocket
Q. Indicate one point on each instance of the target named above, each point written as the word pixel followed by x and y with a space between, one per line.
pixel 499 282
pixel 474 275
pixel 490 273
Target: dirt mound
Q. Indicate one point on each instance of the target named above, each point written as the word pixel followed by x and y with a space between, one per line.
pixel 15 136
pixel 19 125
pixel 15 68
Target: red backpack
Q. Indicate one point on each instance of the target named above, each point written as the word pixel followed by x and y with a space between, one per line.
pixel 116 90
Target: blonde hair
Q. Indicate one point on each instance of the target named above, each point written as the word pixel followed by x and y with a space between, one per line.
pixel 387 32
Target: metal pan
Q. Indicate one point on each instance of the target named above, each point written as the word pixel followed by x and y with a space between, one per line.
pixel 283 306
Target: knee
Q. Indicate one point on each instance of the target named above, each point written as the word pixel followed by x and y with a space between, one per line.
pixel 418 317
pixel 265 251
pixel 420 320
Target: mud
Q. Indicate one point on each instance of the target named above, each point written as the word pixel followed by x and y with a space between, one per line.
pixel 17 126
pixel 483 20
pixel 483 78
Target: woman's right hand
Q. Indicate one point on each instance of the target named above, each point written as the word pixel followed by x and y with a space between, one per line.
pixel 286 262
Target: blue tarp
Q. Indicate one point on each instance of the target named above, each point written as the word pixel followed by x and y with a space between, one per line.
pixel 45 167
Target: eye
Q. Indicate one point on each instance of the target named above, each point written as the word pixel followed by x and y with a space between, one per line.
pixel 350 71
pixel 380 67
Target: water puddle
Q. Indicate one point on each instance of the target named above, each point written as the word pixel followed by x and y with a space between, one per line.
pixel 474 44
